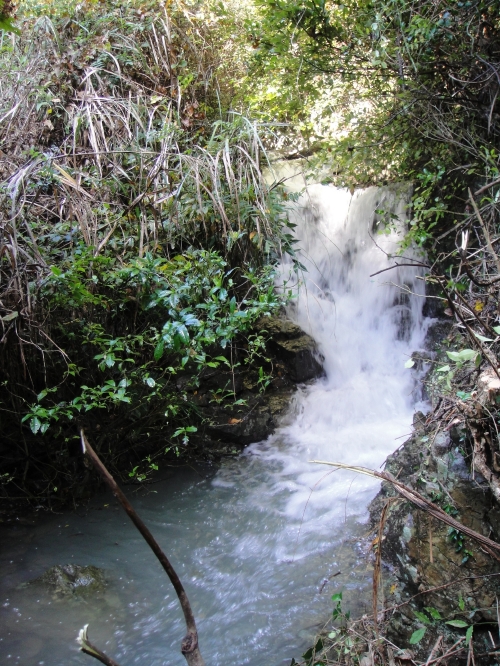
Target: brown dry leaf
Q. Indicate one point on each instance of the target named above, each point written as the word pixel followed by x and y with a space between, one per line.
pixel 479 306
pixel 234 421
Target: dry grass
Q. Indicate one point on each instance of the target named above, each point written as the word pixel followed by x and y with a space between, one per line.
pixel 109 141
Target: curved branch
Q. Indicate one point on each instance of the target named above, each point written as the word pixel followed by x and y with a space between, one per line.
pixel 419 501
pixel 189 646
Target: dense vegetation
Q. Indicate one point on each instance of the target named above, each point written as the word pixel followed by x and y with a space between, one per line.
pixel 138 236
pixel 138 233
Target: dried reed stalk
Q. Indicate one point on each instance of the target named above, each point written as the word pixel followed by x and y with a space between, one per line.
pixel 419 501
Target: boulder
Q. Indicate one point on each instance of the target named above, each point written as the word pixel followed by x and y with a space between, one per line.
pixel 296 349
pixel 247 406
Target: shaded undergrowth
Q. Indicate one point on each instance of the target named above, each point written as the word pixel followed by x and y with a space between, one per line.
pixel 137 241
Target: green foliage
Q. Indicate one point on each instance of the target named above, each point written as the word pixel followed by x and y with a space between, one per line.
pixel 7 26
pixel 142 237
pixel 185 308
pixel 432 617
pixel 384 91
pixel 417 635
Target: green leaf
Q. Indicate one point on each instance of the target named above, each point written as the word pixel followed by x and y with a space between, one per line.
pixel 35 425
pixel 462 356
pixel 482 338
pixel 409 363
pixel 459 624
pixel 468 634
pixel 434 613
pixel 182 334
pixel 496 329
pixel 308 654
pixel 7 25
pixel 11 316
pixel 158 353
pixel 417 636
pixel 422 617
pixel 150 382
pixel 444 368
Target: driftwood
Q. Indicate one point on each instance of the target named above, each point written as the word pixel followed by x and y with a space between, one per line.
pixel 189 646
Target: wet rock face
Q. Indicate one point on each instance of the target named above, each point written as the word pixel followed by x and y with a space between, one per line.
pixel 262 394
pixel 294 348
pixel 72 579
pixel 421 554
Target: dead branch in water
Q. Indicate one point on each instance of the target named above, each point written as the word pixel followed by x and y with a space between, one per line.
pixel 189 646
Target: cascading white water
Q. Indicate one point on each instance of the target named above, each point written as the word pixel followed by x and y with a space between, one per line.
pixel 366 328
pixel 255 545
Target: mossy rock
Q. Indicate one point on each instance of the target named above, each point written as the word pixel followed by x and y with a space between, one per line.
pixel 72 580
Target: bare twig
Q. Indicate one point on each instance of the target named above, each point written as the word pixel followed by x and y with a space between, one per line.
pixel 417 264
pixel 189 646
pixel 378 561
pixel 486 187
pixel 434 650
pixel 485 231
pixel 90 649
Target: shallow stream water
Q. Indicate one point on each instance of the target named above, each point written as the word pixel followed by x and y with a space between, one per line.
pixel 259 545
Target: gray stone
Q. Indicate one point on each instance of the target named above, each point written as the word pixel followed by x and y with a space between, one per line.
pixel 437 332
pixel 442 444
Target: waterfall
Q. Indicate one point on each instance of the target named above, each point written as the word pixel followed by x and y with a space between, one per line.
pixel 258 547
pixel 366 328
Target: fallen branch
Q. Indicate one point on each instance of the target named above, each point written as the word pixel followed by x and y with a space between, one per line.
pixel 87 647
pixel 434 651
pixel 419 501
pixel 486 187
pixel 189 646
pixel 485 231
pixel 378 561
